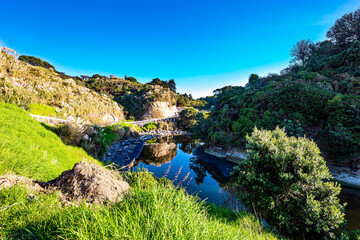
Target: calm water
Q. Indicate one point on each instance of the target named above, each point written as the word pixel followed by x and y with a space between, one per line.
pixel 208 176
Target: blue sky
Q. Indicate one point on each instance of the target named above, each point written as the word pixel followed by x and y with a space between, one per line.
pixel 202 44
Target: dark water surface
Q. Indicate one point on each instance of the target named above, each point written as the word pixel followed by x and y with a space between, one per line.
pixel 179 159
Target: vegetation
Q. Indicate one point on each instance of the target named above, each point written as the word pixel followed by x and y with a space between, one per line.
pixel 36 62
pixel 142 215
pixel 27 148
pixel 30 149
pixel 285 180
pixel 24 84
pixel 318 96
pixel 190 118
pixel 42 110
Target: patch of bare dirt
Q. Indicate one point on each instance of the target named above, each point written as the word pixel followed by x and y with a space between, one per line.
pixel 86 181
pixel 91 182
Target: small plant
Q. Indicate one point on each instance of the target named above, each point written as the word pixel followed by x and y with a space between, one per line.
pixel 70 134
pixel 149 126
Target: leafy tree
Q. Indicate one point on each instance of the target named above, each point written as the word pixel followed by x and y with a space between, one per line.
pixel 36 61
pixel 301 51
pixel 286 181
pixel 172 85
pixel 346 29
pixel 131 79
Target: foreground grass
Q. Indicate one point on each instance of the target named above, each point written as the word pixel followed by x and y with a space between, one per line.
pixel 157 212
pixel 28 149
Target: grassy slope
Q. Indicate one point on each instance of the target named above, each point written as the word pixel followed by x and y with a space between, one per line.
pixel 28 149
pixel 154 212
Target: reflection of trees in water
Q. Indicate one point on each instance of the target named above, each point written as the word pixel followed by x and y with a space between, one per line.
pixel 189 146
pixel 158 153
pixel 199 169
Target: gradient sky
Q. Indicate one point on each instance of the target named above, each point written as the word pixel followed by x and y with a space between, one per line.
pixel 203 45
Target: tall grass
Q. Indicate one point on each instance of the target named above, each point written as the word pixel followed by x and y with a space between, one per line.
pixel 28 149
pixel 157 212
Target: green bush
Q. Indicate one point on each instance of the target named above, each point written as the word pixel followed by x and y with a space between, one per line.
pixel 187 118
pixel 149 126
pixel 286 181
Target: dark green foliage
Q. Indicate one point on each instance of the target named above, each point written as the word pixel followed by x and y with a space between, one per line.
pixel 311 99
pixel 36 62
pixel 131 79
pixel 166 84
pixel 286 181
pixel 187 118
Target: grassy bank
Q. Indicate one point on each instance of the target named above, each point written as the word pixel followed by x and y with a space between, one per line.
pixel 156 212
pixel 28 149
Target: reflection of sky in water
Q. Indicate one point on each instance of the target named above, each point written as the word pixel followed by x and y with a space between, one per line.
pixel 212 174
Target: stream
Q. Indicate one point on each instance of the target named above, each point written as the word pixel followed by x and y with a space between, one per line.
pixel 180 159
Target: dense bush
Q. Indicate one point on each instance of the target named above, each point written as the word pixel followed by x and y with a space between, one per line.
pixel 286 181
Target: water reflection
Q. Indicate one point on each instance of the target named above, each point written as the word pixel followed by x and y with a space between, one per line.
pixel 181 160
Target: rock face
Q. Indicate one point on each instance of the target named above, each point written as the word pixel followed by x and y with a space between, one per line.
pixel 159 109
pixel 90 182
pixel 231 154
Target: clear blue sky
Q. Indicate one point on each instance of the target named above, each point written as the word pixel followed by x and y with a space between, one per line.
pixel 203 45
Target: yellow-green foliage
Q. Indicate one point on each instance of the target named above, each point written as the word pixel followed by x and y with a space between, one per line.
pixel 27 148
pixel 43 110
pixel 23 84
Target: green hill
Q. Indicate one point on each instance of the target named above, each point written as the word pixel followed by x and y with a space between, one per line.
pixel 317 96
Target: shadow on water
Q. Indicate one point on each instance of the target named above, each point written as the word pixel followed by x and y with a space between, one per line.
pixel 182 160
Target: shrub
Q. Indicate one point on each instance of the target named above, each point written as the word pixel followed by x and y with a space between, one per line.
pixel 187 118
pixel 149 126
pixel 70 134
pixel 286 181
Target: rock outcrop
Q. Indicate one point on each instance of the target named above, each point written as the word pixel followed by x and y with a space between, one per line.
pixel 159 109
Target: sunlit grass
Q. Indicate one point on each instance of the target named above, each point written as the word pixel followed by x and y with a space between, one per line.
pixel 28 149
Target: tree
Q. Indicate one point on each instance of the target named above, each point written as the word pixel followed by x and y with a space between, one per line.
pixel 301 51
pixel 346 29
pixel 286 181
pixel 172 85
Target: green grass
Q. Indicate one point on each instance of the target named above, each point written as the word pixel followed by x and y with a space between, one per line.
pixel 29 149
pixel 39 109
pixel 157 212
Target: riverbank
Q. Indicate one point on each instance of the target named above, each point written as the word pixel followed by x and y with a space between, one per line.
pixel 345 176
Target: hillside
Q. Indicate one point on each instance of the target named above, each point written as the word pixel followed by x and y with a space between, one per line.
pixel 24 84
pixel 28 149
pixel 140 101
pixel 318 96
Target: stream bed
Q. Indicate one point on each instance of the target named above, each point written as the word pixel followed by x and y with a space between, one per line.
pixel 181 159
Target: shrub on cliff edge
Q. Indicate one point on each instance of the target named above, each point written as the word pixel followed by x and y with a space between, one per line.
pixel 286 181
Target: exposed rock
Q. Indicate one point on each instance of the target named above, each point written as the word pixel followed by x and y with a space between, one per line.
pixel 90 182
pixel 159 109
pixel 230 153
